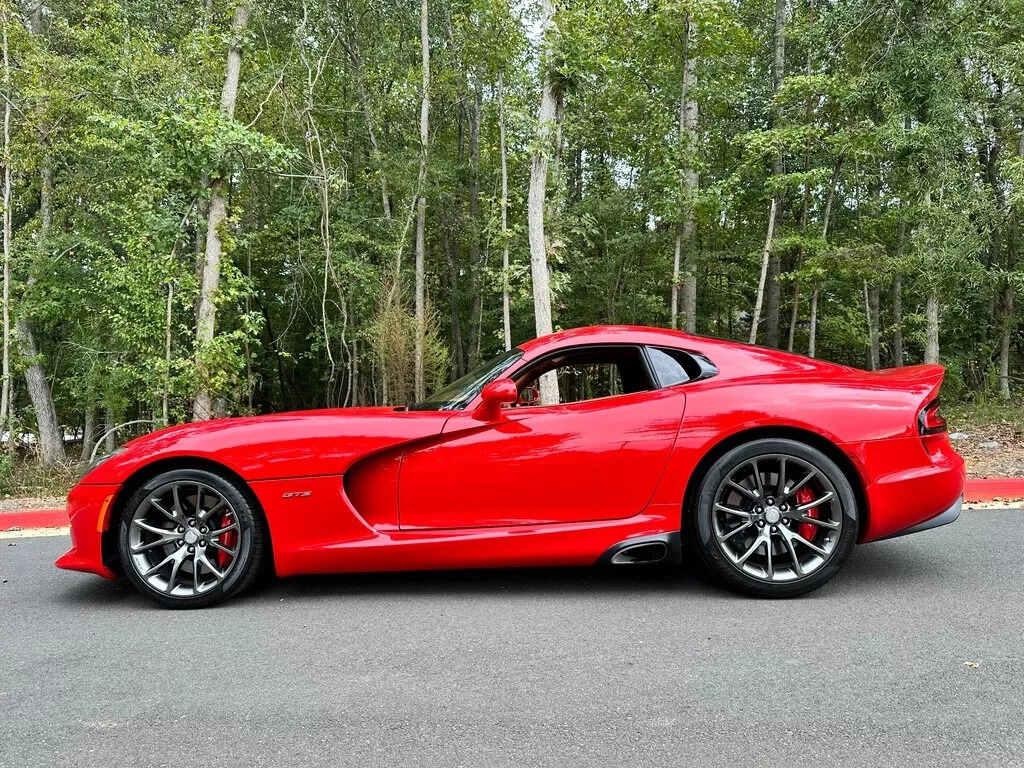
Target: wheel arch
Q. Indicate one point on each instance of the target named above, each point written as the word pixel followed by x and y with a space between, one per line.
pixel 811 439
pixel 143 474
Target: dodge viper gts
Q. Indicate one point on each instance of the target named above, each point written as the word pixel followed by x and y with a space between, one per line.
pixel 765 468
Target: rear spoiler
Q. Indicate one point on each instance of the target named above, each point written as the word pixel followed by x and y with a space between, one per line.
pixel 920 381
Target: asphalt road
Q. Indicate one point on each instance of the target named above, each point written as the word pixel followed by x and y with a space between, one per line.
pixel 528 668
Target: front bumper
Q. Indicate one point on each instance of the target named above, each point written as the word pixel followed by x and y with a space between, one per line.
pixel 89 509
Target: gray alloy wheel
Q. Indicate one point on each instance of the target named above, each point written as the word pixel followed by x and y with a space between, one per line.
pixel 189 538
pixel 775 518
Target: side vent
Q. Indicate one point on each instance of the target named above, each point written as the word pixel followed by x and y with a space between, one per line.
pixel 637 554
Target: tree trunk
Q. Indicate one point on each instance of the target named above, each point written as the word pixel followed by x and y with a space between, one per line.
pixel 421 207
pixel 793 317
pixel 5 390
pixel 546 116
pixel 755 321
pixel 475 264
pixel 1004 342
pixel 206 316
pixel 898 354
pixel 88 433
pixel 51 435
pixel 773 289
pixel 812 341
pixel 931 318
pixel 506 318
pixel 872 310
pixel 684 252
pixel 109 433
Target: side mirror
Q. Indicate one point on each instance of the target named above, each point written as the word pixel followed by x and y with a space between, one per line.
pixel 493 396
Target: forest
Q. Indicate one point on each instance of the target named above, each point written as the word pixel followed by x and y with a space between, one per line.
pixel 223 207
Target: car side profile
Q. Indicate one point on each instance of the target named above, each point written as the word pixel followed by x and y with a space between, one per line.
pixel 768 467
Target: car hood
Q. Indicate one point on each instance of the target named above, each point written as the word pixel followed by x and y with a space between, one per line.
pixel 280 445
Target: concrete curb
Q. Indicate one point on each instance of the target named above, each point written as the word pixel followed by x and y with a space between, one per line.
pixel 33 518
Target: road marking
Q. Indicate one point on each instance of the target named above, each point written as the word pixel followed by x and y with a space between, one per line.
pixel 32 533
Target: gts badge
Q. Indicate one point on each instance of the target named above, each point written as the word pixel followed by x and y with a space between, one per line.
pixel 296 494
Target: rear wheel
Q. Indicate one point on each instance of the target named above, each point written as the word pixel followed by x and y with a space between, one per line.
pixel 189 538
pixel 774 518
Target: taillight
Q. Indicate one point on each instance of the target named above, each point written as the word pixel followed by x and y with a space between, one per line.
pixel 930 420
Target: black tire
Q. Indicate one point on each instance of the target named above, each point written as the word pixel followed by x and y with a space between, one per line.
pixel 701 532
pixel 250 539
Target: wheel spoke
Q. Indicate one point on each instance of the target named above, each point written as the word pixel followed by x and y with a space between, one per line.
pixel 734 531
pixel 768 549
pixel 177 502
pixel 757 479
pixel 161 542
pixel 787 538
pixel 830 524
pixel 232 527
pixel 732 511
pixel 753 548
pixel 153 529
pixel 798 486
pixel 817 502
pixel 745 491
pixel 814 547
pixel 155 503
pixel 204 516
pixel 175 567
pixel 781 484
pixel 222 548
pixel 161 564
pixel 202 558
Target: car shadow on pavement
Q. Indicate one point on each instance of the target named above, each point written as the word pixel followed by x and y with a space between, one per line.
pixel 871 568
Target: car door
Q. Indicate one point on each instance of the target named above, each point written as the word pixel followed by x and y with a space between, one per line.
pixel 597 458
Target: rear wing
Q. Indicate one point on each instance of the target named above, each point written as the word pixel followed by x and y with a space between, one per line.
pixel 922 383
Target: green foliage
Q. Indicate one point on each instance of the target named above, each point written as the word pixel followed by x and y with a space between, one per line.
pixel 907 116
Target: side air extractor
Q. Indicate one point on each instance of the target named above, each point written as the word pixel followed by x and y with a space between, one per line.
pixel 644 551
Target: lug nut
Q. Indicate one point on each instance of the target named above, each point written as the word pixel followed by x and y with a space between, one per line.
pixel 191 550
pixel 775 528
pixel 202 543
pixel 760 523
pixel 204 529
pixel 192 522
pixel 181 529
pixel 179 542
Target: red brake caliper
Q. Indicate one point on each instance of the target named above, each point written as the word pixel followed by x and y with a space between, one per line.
pixel 807 530
pixel 227 539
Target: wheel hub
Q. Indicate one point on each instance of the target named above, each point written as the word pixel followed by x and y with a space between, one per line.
pixel 772 515
pixel 191 536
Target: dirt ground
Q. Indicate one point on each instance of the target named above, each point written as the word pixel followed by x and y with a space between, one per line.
pixel 991 450
pixel 31 503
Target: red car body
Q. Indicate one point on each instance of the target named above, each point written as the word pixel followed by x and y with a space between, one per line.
pixel 378 489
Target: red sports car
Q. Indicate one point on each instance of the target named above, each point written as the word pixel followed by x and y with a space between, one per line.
pixel 766 466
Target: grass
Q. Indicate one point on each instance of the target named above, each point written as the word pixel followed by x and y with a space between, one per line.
pixel 980 415
pixel 24 477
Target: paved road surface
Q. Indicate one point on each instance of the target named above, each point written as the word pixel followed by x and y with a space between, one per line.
pixel 530 668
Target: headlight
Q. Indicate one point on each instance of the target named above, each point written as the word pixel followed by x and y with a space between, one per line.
pixel 100 459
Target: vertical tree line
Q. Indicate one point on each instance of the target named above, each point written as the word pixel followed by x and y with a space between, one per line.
pixel 219 207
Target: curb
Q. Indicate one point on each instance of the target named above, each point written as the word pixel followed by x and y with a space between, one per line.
pixel 35 518
pixel 993 489
pixel 977 489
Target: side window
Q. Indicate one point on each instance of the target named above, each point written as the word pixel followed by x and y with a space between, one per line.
pixel 674 366
pixel 588 373
pixel 667 368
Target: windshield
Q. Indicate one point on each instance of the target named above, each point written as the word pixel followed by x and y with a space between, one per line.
pixel 458 394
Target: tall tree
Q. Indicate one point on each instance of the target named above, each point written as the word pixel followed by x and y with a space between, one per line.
pixel 421 204
pixel 206 315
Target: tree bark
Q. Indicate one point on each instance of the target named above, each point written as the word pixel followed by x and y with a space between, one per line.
pixel 684 270
pixel 812 340
pixel 539 271
pixel 475 264
pixel 5 390
pixel 755 321
pixel 51 435
pixel 793 317
pixel 206 320
pixel 1004 342
pixel 931 317
pixel 898 354
pixel 88 433
pixel 421 207
pixel 773 289
pixel 872 310
pixel 506 319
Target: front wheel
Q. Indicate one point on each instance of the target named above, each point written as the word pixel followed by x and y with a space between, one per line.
pixel 190 538
pixel 774 518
